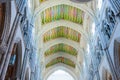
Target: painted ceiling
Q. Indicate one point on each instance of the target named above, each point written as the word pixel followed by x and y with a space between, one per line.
pixel 61 60
pixel 61 48
pixel 56 13
pixel 62 31
pixel 60 12
pixel 41 1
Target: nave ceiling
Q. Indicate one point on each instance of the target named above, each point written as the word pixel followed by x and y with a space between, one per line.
pixel 62 28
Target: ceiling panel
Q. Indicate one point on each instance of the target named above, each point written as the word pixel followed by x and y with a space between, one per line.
pixel 62 31
pixel 65 12
pixel 61 60
pixel 61 48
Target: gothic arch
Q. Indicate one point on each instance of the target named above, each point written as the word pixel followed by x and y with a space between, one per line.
pixel 59 54
pixel 54 42
pixel 117 55
pixel 45 5
pixel 51 25
pixel 61 40
pixel 15 62
pixel 64 67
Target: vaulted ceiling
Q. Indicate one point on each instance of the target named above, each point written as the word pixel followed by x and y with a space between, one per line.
pixel 61 60
pixel 65 12
pixel 61 34
pixel 62 31
pixel 61 48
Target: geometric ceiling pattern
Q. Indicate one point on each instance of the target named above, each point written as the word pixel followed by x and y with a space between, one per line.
pixel 61 48
pixel 62 31
pixel 61 60
pixel 62 12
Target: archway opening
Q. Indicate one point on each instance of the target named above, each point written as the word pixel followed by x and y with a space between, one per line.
pixel 14 66
pixel 60 75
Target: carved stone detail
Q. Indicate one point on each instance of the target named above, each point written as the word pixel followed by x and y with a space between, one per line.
pixel 108 23
pixel 110 18
pixel 106 29
pixel 110 15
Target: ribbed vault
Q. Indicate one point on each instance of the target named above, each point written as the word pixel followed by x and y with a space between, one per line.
pixel 64 67
pixel 61 60
pixel 62 11
pixel 60 54
pixel 61 48
pixel 52 3
pixel 61 35
pixel 62 31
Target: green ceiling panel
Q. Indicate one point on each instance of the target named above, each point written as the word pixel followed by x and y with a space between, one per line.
pixel 61 31
pixel 61 48
pixel 64 12
pixel 61 60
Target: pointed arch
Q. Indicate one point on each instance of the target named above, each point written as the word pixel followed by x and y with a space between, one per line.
pixel 52 25
pixel 60 54
pixel 75 45
pixel 62 31
pixel 62 60
pixel 66 68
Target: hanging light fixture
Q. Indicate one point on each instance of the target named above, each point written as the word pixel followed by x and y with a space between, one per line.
pixel 78 1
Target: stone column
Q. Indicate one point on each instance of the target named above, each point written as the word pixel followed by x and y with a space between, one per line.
pixel 22 76
pixel 6 57
pixel 106 52
pixel 29 51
